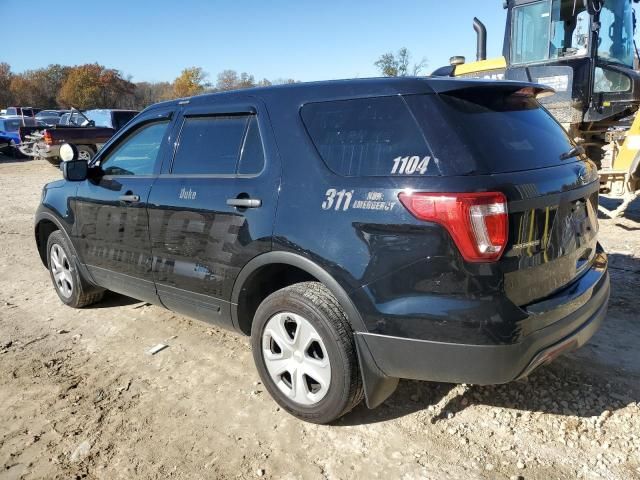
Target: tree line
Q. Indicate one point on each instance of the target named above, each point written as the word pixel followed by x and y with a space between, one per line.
pixel 95 86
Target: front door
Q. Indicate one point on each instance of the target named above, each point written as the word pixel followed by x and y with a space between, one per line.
pixel 213 206
pixel 113 223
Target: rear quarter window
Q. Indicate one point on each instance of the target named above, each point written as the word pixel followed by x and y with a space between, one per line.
pixel 368 137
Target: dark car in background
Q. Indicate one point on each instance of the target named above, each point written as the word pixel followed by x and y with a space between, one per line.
pixel 359 231
pixel 22 111
pixel 50 117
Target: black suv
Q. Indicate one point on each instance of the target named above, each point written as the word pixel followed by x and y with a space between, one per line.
pixel 360 231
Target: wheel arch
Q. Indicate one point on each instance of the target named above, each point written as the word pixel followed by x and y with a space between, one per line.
pixel 377 386
pixel 45 225
pixel 308 270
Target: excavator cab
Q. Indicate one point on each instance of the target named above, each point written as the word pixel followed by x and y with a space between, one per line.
pixel 585 51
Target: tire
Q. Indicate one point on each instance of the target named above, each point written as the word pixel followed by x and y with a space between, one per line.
pixel 68 282
pixel 284 358
pixel 85 152
pixel 15 153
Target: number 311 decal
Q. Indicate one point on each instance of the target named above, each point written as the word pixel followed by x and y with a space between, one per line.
pixel 410 165
pixel 334 199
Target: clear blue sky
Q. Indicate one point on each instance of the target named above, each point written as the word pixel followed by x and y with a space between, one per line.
pixel 154 40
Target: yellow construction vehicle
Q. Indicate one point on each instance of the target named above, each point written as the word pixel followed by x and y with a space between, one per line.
pixel 585 51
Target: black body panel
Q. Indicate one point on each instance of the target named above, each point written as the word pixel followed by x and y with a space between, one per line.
pixel 193 241
pixel 200 242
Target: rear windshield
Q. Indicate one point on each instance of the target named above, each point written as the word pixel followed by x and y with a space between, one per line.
pixel 501 132
pixel 13 125
pixel 472 132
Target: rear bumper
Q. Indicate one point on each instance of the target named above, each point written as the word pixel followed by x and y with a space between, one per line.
pixel 47 151
pixel 571 328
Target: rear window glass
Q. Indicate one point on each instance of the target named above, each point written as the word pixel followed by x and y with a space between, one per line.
pixel 368 137
pixel 120 119
pixel 252 155
pixel 490 131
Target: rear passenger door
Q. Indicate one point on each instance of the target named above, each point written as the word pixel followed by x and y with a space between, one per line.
pixel 213 206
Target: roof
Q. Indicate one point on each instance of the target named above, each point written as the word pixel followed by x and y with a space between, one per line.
pixel 353 88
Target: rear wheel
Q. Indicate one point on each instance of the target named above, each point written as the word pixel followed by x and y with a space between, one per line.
pixel 304 351
pixel 85 152
pixel 15 153
pixel 70 286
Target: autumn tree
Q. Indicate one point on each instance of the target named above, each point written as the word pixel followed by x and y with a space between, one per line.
pixel 21 90
pixel 94 86
pixel 6 97
pixel 148 93
pixel 283 81
pixel 227 80
pixel 38 87
pixel 246 81
pixel 192 81
pixel 399 64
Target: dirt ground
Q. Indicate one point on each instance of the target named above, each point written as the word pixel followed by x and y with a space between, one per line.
pixel 79 398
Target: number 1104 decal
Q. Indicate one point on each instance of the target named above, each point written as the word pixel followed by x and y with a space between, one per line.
pixel 410 165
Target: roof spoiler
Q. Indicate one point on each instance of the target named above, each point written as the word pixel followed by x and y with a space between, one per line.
pixel 526 89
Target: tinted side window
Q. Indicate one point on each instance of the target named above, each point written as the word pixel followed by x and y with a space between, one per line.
pixel 252 155
pixel 209 145
pixel 366 137
pixel 137 154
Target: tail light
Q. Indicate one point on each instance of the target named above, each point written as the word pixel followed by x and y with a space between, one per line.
pixel 48 138
pixel 477 222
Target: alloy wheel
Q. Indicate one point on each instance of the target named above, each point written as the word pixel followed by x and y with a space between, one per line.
pixel 61 270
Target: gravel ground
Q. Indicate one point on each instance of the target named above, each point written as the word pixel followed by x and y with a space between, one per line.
pixel 81 399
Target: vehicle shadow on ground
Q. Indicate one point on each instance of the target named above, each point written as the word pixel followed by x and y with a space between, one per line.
pixel 582 384
pixel 10 159
pixel 548 390
pixel 112 299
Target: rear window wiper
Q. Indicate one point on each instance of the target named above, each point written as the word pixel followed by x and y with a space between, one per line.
pixel 574 152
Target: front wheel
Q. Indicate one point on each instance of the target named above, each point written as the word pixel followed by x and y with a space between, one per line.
pixel 305 353
pixel 70 286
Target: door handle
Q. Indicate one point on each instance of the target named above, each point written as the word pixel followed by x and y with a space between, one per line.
pixel 244 202
pixel 129 198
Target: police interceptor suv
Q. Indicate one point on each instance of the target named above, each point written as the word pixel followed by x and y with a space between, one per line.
pixel 359 231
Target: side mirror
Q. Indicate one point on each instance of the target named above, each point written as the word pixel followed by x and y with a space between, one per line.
pixel 75 170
